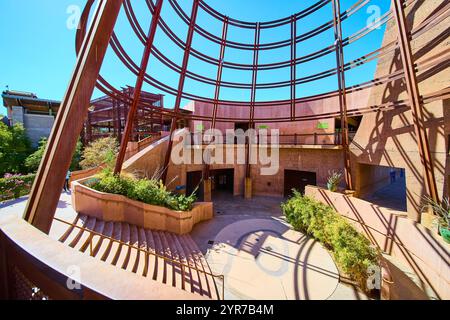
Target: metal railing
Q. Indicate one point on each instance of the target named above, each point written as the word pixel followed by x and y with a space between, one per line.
pixel 183 267
pixel 297 139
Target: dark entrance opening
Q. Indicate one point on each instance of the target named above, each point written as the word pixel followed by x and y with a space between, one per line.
pixel 242 125
pixel 194 183
pixel 384 186
pixel 223 181
pixel 353 126
pixel 295 179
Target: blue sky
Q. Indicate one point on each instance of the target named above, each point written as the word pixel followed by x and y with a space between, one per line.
pixel 38 52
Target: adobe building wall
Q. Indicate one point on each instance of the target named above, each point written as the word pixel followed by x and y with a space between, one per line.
pixel 388 138
pixel 318 159
pixel 328 103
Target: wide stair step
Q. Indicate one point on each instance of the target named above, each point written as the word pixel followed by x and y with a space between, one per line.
pixel 162 256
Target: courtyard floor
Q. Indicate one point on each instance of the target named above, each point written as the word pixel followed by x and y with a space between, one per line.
pixel 261 257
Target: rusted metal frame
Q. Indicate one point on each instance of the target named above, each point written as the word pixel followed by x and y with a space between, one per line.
pixel 415 99
pixel 119 119
pixel 69 121
pixel 254 75
pixel 138 88
pixel 176 115
pixel 267 46
pixel 264 25
pixel 218 85
pixel 342 93
pixel 165 88
pixel 293 65
pixel 253 98
pixel 196 97
pixel 115 118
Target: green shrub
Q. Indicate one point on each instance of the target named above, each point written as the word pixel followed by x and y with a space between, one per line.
pixel 14 148
pixel 352 251
pixel 182 202
pixel 15 186
pixel 152 192
pixel 33 161
pixel 99 152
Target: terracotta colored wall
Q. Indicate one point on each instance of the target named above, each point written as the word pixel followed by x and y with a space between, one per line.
pixel 327 104
pixel 396 235
pixel 388 138
pixel 317 159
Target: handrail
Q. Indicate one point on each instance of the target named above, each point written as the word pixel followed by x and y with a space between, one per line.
pixel 148 140
pixel 293 139
pixel 166 259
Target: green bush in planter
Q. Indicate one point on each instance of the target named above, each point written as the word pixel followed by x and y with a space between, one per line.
pixel 152 192
pixel 442 212
pixel 352 251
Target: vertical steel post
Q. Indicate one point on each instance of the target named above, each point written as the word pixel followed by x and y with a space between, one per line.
pixel 187 53
pixel 253 95
pixel 51 175
pixel 218 82
pixel 340 62
pixel 138 87
pixel 415 100
pixel 293 65
pixel 254 75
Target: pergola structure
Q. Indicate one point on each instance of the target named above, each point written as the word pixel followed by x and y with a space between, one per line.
pixel 92 43
pixel 108 116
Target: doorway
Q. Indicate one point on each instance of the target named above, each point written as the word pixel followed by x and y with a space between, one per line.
pixel 295 179
pixel 194 184
pixel 242 125
pixel 223 181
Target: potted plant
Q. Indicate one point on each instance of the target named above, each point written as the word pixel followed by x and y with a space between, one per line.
pixel 333 180
pixel 442 211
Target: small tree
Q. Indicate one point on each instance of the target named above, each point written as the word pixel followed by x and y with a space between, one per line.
pixel 99 152
pixel 14 148
pixel 32 161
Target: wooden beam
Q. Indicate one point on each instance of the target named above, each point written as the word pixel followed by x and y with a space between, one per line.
pixel 340 62
pixel 51 175
pixel 415 100
pixel 181 81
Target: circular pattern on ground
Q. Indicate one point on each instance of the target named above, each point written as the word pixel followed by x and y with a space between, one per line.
pixel 265 259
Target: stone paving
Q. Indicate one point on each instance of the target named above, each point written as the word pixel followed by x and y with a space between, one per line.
pixel 263 258
pixel 392 196
pixel 260 255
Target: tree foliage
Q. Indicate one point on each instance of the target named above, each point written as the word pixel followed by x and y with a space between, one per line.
pixel 14 149
pixel 32 161
pixel 99 152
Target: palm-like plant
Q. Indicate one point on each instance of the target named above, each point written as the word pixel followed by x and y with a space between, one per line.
pixel 334 179
pixel 442 210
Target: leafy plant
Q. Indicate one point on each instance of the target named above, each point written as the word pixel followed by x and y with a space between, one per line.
pixel 14 148
pixel 352 251
pixel 33 161
pixel 14 186
pixel 442 210
pixel 182 202
pixel 150 191
pixel 101 151
pixel 334 179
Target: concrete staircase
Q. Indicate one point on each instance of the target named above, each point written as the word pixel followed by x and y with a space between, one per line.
pixel 168 258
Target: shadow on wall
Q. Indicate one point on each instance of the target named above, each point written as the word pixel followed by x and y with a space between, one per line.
pixel 398 236
pixel 447 146
pixel 389 136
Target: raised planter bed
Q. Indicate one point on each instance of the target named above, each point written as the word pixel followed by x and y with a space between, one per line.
pixel 117 208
